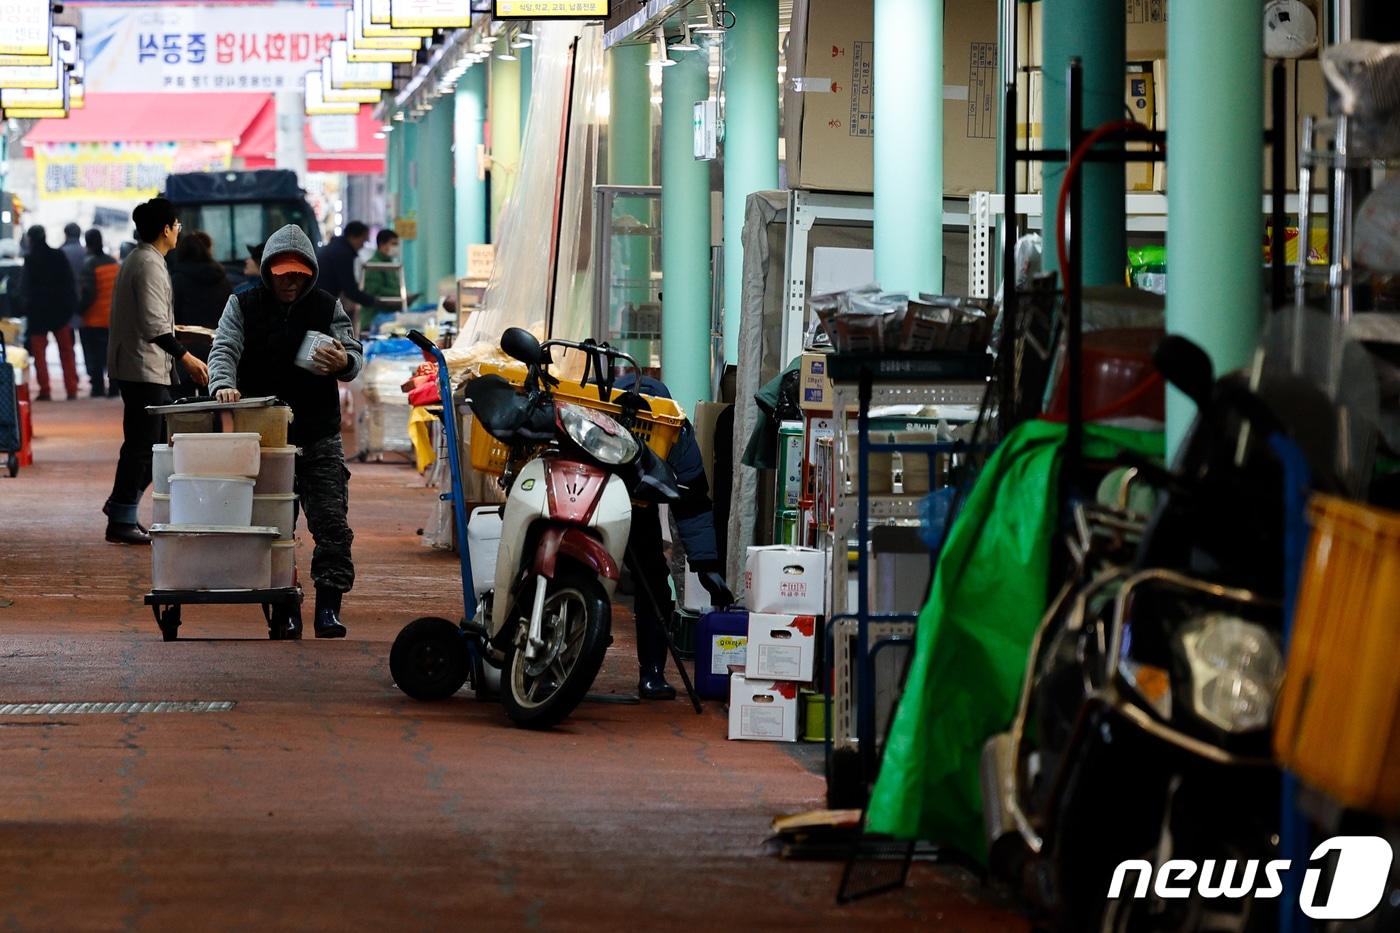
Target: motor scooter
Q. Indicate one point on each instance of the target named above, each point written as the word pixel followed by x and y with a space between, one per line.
pixel 571 477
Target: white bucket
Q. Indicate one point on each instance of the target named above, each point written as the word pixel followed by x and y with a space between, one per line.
pixel 216 454
pixel 224 501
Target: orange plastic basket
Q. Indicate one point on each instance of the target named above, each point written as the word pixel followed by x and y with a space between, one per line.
pixel 659 429
pixel 1337 725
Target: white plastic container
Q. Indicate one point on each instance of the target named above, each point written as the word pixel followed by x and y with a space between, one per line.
pixel 216 454
pixel 160 509
pixel 162 465
pixel 204 557
pixel 284 564
pixel 483 541
pixel 277 511
pixel 306 354
pixel 226 501
pixel 277 471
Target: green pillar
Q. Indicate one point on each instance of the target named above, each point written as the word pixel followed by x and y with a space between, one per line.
pixel 908 83
pixel 685 237
pixel 1215 113
pixel 437 215
pixel 468 130
pixel 750 139
pixel 629 163
pixel 504 124
pixel 527 79
pixel 1095 32
pixel 410 197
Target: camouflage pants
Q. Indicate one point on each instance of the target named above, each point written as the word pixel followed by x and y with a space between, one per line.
pixel 323 489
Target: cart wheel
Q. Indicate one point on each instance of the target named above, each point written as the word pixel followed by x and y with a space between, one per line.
pixel 429 659
pixel 12 464
pixel 170 623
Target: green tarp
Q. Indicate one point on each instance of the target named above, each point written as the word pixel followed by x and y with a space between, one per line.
pixel 974 636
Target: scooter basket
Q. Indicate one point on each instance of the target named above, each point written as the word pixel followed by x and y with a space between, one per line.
pixel 658 429
pixel 1337 725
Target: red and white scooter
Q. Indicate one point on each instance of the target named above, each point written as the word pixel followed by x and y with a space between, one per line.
pixel 571 479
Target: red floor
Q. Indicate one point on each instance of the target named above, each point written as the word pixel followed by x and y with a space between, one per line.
pixel 326 799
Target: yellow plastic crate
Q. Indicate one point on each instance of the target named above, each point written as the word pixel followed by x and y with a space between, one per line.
pixel 1337 725
pixel 658 429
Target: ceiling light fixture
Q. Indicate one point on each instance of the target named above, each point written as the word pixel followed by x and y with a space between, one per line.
pixel 506 56
pixel 686 44
pixel 659 58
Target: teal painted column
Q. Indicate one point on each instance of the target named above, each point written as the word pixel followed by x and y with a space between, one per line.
pixel 629 163
pixel 437 215
pixel 411 182
pixel 750 139
pixel 685 235
pixel 468 133
pixel 504 124
pixel 1215 171
pixel 908 89
pixel 1095 32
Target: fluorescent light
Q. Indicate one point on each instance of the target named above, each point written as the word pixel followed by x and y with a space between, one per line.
pixel 506 57
pixel 520 44
pixel 659 57
pixel 526 35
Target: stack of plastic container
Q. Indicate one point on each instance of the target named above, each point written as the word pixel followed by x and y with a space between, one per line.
pixel 224 510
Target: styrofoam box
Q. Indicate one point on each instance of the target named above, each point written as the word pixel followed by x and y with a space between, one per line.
pixel 782 578
pixel 216 454
pixel 284 563
pixel 211 500
pixel 762 710
pixel 781 647
pixel 206 557
pixel 276 471
pixel 162 465
pixel 276 512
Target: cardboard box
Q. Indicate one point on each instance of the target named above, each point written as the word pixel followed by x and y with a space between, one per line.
pixel 829 100
pixel 1146 29
pixel 762 710
pixel 779 578
pixel 781 646
pixel 705 420
pixel 814 385
pixel 1140 99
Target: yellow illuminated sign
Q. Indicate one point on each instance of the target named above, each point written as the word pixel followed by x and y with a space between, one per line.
pixel 553 9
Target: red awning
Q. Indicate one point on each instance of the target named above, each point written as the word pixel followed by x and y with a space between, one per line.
pixel 364 155
pixel 153 118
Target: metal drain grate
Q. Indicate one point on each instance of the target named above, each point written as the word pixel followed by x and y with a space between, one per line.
pixel 114 708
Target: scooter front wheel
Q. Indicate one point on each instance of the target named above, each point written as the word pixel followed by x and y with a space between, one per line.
pixel 540 689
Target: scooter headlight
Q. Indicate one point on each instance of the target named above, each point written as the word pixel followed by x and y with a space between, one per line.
pixel 599 435
pixel 1236 667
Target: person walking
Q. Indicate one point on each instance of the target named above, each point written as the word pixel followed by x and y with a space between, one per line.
pixel 73 249
pixel 141 357
pixel 98 277
pixel 255 354
pixel 383 284
pixel 201 288
pixel 337 263
pixel 50 297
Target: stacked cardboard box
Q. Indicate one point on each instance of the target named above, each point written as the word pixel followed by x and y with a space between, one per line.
pixel 786 597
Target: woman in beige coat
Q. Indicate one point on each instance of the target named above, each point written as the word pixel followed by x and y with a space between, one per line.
pixel 141 358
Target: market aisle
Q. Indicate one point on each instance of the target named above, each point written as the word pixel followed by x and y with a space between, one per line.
pixel 325 799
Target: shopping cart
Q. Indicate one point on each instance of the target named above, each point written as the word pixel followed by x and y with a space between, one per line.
pixel 10 435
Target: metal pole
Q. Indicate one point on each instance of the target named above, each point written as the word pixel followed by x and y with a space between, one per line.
pixel 1278 153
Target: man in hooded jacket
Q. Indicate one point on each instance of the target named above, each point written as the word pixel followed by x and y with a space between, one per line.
pixel 254 354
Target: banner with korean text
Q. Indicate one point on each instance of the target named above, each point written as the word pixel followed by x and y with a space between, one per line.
pixel 121 171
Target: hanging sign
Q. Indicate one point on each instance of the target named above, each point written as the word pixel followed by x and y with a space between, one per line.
pixel 38 77
pixel 120 171
pixel 429 14
pixel 76 87
pixel 35 98
pixel 552 9
pixel 165 47
pixel 28 27
pixel 316 103
pixel 335 133
pixel 67 37
pixel 339 95
pixel 362 50
pixel 347 74
pixel 378 12
pixel 372 30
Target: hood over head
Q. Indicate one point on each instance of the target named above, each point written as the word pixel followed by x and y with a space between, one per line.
pixel 290 239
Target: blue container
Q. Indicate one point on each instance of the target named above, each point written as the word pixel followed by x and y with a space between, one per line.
pixel 720 641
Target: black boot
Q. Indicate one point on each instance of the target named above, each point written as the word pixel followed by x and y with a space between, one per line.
pixel 327 622
pixel 122 533
pixel 285 624
pixel 651 658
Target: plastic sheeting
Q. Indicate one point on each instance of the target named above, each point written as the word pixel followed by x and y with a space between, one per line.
pixel 518 293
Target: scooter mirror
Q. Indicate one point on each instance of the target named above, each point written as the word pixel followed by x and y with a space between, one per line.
pixel 520 344
pixel 1187 367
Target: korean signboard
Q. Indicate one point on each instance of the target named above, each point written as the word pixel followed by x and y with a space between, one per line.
pixel 27 27
pixel 206 48
pixel 432 14
pixel 552 9
pixel 120 171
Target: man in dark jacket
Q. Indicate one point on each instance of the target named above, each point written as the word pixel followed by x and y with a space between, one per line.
pixel 695 518
pixel 73 249
pixel 50 301
pixel 337 260
pixel 254 354
pixel 96 283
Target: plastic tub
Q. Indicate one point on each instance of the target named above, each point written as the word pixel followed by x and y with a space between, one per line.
pixel 270 424
pixel 160 509
pixel 226 501
pixel 277 511
pixel 189 422
pixel 284 564
pixel 277 471
pixel 204 557
pixel 216 454
pixel 162 465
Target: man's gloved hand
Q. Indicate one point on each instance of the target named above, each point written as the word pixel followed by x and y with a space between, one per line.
pixel 713 582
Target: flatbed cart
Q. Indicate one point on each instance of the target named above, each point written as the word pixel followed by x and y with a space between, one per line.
pixel 166 605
